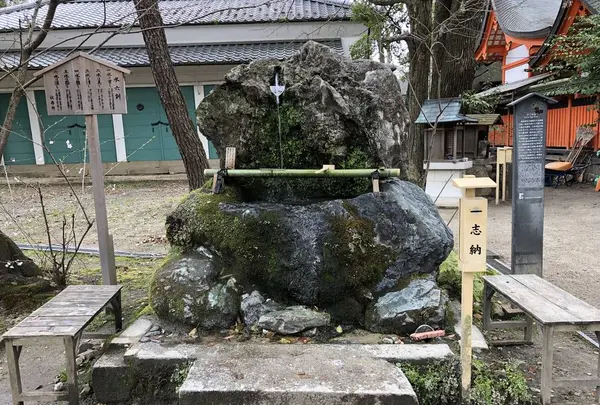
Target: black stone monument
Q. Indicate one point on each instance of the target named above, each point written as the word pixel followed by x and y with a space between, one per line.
pixel 529 159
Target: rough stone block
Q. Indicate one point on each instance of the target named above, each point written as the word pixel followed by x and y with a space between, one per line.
pixel 111 378
pixel 293 375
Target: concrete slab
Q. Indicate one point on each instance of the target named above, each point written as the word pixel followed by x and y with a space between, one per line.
pixel 252 374
pixel 409 353
pixel 133 333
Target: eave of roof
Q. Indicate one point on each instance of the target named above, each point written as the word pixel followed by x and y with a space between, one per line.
pixel 485 119
pixel 204 54
pixel 115 13
pixel 514 86
pixel 526 18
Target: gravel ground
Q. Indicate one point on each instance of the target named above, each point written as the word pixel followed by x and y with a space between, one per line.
pixel 137 214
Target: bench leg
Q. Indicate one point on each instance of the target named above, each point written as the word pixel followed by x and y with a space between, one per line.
pixel 488 293
pixel 12 354
pixel 529 330
pixel 71 370
pixel 118 312
pixel 547 359
pixel 598 388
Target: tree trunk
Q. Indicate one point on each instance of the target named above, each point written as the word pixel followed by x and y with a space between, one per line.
pixel 418 76
pixel 171 97
pixel 13 261
pixel 441 14
pixel 461 26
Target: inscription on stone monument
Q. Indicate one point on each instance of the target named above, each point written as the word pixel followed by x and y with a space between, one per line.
pixel 530 114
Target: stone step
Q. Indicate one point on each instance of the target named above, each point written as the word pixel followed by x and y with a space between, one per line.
pixel 147 353
pixel 255 374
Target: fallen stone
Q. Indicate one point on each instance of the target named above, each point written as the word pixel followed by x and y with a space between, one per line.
pixel 292 375
pixel 59 386
pixel 401 312
pixel 478 340
pixel 111 377
pixel 293 320
pixel 254 305
pixel 133 333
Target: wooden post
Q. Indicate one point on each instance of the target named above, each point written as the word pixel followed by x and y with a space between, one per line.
pixel 107 257
pixel 472 230
pixel 505 170
pixel 455 143
pixel 497 175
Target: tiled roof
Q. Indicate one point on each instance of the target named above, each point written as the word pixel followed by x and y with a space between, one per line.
pixel 443 110
pixel 527 18
pixel 113 13
pixel 593 5
pixel 180 55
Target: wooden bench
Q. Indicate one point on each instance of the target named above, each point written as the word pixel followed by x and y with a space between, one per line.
pixel 554 310
pixel 61 320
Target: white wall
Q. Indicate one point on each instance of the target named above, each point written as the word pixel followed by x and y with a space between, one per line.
pixel 517 73
pixel 516 54
pixel 202 34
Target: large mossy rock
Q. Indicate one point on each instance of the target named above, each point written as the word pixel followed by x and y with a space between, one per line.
pixel 321 253
pixel 334 111
pixel 188 289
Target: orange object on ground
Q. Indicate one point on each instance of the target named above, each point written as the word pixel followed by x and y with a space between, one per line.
pixel 428 335
pixel 559 166
pixel 598 185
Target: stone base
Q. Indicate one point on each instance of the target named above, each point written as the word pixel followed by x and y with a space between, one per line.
pixel 271 374
pixel 439 182
pixel 293 375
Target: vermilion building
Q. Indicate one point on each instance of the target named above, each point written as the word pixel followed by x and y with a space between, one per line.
pixel 516 34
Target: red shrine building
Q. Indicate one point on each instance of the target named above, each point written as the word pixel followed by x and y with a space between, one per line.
pixel 516 34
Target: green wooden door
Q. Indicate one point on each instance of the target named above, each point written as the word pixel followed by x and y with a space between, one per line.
pixel 64 136
pixel 142 125
pixel 148 134
pixel 19 149
pixel 212 151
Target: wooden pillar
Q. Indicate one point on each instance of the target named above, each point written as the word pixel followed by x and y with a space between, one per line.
pixel 455 143
pixel 107 260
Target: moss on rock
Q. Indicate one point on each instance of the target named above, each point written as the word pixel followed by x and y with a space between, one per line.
pixel 492 383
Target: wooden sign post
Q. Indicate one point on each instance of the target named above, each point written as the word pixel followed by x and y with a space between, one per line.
pixel 82 84
pixel 472 243
pixel 503 158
